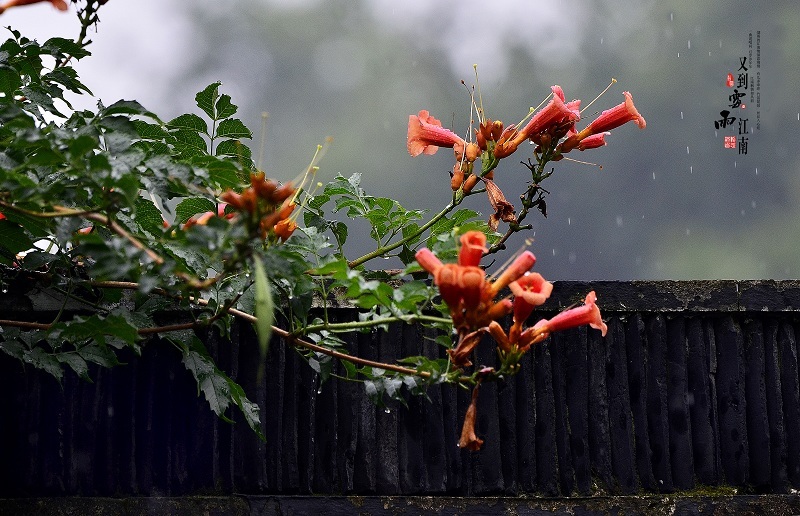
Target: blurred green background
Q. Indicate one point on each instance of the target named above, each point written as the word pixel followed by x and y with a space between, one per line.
pixel 670 202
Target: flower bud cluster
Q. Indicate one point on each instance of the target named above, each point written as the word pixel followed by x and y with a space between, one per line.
pixel 266 205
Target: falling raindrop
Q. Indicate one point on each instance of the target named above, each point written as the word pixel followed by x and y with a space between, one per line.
pixel 720 43
pixel 654 176
pixel 554 252
pixel 691 169
pixel 709 54
pixel 756 170
pixel 689 44
pixel 670 16
pixel 319 391
pixel 387 410
pixel 569 221
pixel 619 221
pixel 681 115
pixel 734 164
pixel 679 54
pixel 687 149
pixel 601 41
pixel 798 116
pixel 715 134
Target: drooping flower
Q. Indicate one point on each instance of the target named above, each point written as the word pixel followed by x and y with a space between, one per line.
pixel 469 439
pixel 426 135
pixel 588 313
pixel 503 210
pixel 459 355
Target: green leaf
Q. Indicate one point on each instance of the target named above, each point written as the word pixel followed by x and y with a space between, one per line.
pixel 59 47
pixel 190 207
pixel 13 237
pixel 225 108
pixel 233 128
pixel 212 382
pixel 126 107
pixel 9 81
pixel 39 359
pixel 221 173
pixel 189 122
pixel 250 410
pixel 234 148
pixel 207 99
pixel 76 363
pixel 148 216
pixel 97 327
pixel 264 309
pixel 99 354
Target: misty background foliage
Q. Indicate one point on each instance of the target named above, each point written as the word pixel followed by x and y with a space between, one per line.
pixel 670 202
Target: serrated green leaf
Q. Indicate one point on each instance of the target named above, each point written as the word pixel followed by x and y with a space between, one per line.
pixel 9 80
pixel 148 216
pixel 250 410
pixel 225 108
pixel 190 207
pixel 189 122
pixel 222 174
pixel 39 359
pixel 234 148
pixel 96 327
pixel 207 99
pixel 233 128
pixel 76 363
pixel 126 107
pixel 149 131
pixel 99 354
pixel 59 47
pixel 213 384
pixel 264 307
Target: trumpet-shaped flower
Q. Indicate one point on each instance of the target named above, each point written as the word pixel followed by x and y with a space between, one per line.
pixel 473 245
pixel 594 141
pixel 426 135
pixel 530 291
pixel 588 313
pixel 556 112
pixel 464 287
pixel 618 115
pixel 517 269
pixel 608 120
